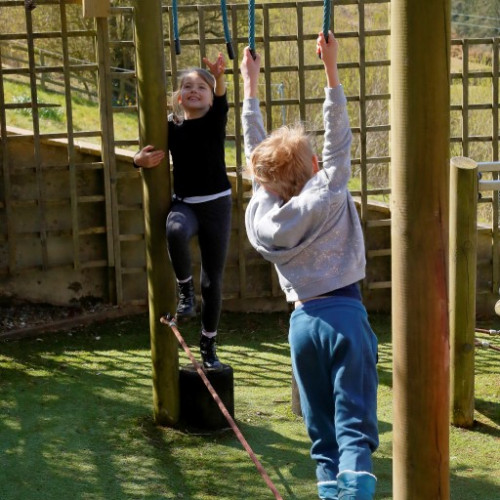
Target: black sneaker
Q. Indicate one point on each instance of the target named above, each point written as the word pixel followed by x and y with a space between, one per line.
pixel 208 354
pixel 186 307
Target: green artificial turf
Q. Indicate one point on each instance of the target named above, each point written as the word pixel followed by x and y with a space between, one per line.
pixel 76 420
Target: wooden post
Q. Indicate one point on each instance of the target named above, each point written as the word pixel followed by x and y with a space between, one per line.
pixel 420 141
pixel 152 98
pixel 463 257
pixel 105 94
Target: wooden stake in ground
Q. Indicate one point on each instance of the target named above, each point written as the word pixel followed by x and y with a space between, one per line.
pixel 420 138
pixel 152 97
pixel 463 261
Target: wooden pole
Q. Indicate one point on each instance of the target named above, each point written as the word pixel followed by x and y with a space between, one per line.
pixel 152 98
pixel 420 138
pixel 463 257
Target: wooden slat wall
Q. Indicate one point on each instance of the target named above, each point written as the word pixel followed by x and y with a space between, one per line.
pixel 103 199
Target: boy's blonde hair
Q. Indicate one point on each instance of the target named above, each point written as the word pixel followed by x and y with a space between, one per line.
pixel 283 162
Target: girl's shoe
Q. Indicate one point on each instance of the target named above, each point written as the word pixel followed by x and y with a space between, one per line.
pixel 186 307
pixel 208 352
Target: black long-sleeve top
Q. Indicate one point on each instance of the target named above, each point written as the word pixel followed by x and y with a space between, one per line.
pixel 197 149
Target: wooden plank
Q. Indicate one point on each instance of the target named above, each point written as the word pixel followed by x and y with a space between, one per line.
pixel 75 322
pixel 495 156
pixel 115 283
pixel 242 238
pixel 9 236
pixel 300 48
pixel 266 63
pixel 465 98
pixel 95 8
pixel 71 143
pixel 201 33
pixel 36 141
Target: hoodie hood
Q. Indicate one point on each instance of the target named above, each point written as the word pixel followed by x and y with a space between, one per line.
pixel 279 231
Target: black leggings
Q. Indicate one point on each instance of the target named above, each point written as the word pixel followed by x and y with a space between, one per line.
pixel 211 221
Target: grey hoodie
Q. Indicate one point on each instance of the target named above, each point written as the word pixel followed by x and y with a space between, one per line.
pixel 315 239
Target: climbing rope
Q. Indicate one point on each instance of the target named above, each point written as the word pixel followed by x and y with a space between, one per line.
pixel 326 17
pixel 227 33
pixel 175 20
pixel 169 321
pixel 251 27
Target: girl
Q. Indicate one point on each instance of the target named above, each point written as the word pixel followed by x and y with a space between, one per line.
pixel 202 194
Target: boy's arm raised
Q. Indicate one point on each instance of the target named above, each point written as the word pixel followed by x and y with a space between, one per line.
pixel 338 137
pixel 328 50
pixel 253 126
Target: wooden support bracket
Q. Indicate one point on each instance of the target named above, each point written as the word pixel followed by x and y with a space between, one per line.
pixel 95 8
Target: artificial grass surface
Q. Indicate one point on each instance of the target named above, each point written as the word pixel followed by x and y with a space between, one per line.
pixel 76 420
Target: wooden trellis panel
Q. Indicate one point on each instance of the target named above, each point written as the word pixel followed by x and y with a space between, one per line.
pixel 68 208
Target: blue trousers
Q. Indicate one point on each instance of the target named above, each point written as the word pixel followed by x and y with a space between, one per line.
pixel 211 222
pixel 334 356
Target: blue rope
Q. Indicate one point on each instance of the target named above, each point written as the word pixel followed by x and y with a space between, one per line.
pixel 227 34
pixel 326 17
pixel 175 19
pixel 251 27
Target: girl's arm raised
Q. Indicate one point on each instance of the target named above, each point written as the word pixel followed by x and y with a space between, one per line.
pixel 217 69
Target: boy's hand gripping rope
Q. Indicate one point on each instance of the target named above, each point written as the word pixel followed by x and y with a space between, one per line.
pixel 170 321
pixel 326 20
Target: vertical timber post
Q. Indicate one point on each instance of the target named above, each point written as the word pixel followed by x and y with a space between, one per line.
pixel 463 257
pixel 420 141
pixel 152 99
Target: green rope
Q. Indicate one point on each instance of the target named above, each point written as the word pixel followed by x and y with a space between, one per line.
pixel 251 27
pixel 326 17
pixel 175 19
pixel 227 34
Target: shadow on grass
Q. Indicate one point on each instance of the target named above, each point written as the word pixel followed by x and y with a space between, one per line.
pixel 76 420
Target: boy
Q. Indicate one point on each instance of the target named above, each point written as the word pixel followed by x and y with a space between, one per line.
pixel 304 220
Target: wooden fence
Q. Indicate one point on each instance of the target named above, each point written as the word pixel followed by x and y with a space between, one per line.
pixel 71 212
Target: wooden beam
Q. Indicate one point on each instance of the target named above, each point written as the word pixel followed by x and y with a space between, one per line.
pixel 95 8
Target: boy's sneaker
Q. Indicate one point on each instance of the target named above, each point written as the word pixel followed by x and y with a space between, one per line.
pixel 208 354
pixel 186 307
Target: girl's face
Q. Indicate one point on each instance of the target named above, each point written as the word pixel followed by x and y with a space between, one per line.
pixel 195 96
